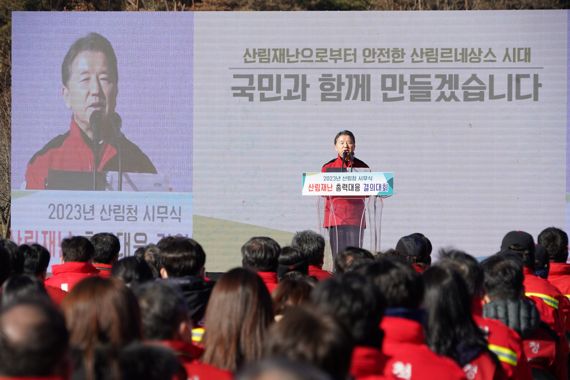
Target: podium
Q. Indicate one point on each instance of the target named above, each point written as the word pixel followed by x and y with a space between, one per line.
pixel 349 206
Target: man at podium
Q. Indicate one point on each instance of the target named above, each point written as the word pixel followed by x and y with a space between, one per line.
pixel 344 216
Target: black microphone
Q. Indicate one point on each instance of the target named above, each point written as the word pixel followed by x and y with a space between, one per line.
pixel 95 123
pixel 344 155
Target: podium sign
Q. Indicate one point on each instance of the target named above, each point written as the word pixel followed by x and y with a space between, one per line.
pixel 348 184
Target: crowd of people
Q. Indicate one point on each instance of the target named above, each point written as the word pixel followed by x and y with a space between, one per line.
pixel 281 316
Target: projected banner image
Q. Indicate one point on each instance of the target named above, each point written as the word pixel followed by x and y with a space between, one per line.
pixel 102 127
pixel 466 109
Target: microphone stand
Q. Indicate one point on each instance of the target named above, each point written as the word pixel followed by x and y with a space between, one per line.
pixel 95 124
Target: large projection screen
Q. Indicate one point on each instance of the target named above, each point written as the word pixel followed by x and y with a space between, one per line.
pixel 467 109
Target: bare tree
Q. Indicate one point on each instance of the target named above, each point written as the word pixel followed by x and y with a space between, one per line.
pixel 5 128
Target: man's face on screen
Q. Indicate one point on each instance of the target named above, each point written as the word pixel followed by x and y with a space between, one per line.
pixel 343 144
pixel 91 87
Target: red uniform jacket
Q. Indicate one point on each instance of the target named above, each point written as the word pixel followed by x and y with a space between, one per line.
pixel 72 152
pixel 547 299
pixel 269 279
pixel 410 357
pixel 368 363
pixel 201 371
pixel 483 367
pixel 344 211
pixel 55 294
pixel 186 352
pixel 104 269
pixel 507 346
pixel 66 275
pixel 547 351
pixel 559 276
pixel 319 273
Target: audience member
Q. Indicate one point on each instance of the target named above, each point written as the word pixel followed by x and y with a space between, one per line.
pixel 165 320
pixel 546 296
pixel 555 243
pixel 291 291
pixel 312 337
pixel 505 301
pixel 4 265
pixel 291 260
pixel 281 369
pixel 139 361
pixel 450 329
pixel 404 340
pixel 132 270
pixel 36 262
pixel 151 254
pixel 356 304
pixel 182 263
pixel 107 247
pixel 261 254
pixel 33 341
pixel 350 258
pixel 415 249
pixel 16 259
pixel 23 286
pixel 502 340
pixel 102 316
pixel 541 262
pixel 312 245
pixel 77 252
pixel 238 315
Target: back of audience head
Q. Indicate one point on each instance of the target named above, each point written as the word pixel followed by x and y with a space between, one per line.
pixel 181 256
pixel 261 254
pixel 467 267
pixel 77 249
pixel 22 286
pixel 312 245
pixel 503 277
pixel 107 247
pixel 398 282
pixel 504 294
pixel 36 259
pixel 415 249
pixel 163 311
pixel 292 260
pixel 281 369
pixel 132 271
pixel 356 303
pixel 350 258
pixel 312 337
pixel 521 243
pixel 4 265
pixel 555 242
pixel 151 255
pixel 101 311
pixel 139 361
pixel 16 260
pixel 450 330
pixel 33 340
pixel 541 262
pixel 237 317
pixel 292 291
